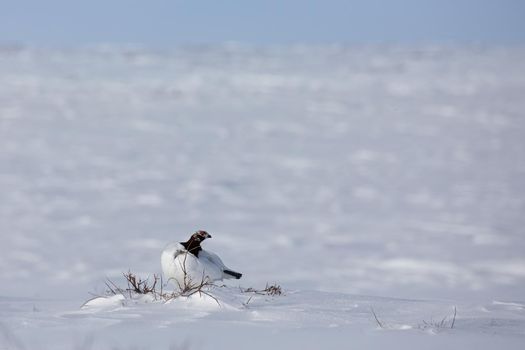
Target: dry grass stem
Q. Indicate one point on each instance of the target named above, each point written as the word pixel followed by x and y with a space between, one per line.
pixel 272 290
pixel 441 324
pixel 379 323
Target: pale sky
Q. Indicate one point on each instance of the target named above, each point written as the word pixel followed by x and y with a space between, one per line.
pixel 163 23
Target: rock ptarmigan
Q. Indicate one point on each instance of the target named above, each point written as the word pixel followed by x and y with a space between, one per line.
pixel 186 263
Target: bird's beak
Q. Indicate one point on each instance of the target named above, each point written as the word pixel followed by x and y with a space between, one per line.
pixel 208 236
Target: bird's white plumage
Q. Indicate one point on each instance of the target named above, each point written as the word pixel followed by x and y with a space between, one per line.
pixel 181 267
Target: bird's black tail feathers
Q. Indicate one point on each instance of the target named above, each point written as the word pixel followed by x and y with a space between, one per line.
pixel 233 273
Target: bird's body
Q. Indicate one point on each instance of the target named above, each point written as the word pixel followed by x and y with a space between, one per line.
pixel 186 263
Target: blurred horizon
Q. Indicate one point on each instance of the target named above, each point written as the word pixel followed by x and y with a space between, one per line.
pixel 169 24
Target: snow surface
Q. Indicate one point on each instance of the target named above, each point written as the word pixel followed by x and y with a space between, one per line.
pixel 340 173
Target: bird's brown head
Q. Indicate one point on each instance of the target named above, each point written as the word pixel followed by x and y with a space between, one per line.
pixel 193 245
pixel 200 236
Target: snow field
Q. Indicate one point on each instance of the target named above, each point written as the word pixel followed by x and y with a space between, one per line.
pixel 340 173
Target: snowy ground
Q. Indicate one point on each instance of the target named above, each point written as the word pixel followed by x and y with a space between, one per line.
pixel 341 173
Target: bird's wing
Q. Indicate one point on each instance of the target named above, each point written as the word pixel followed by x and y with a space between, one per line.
pixel 212 258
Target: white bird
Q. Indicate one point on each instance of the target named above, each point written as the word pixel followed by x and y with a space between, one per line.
pixel 186 263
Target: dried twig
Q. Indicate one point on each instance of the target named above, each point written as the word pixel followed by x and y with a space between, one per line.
pixel 188 287
pixel 113 289
pixel 245 304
